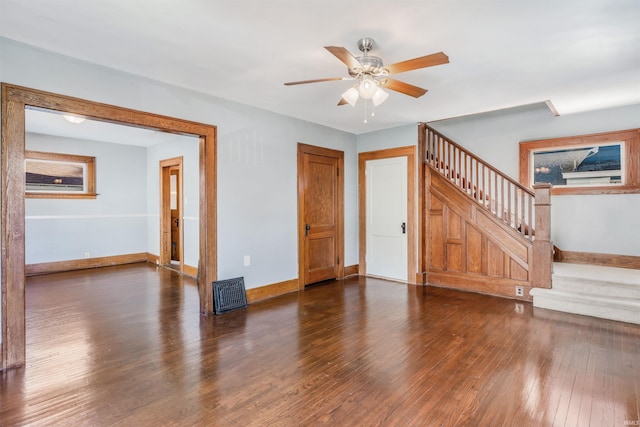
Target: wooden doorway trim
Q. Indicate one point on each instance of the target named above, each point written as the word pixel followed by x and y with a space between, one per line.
pixel 302 261
pixel 410 153
pixel 14 101
pixel 167 167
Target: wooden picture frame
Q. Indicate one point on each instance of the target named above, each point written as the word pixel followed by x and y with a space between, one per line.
pixel 602 163
pixel 59 176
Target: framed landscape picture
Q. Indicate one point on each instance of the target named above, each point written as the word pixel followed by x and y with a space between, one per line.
pixel 589 164
pixel 55 175
pixel 596 164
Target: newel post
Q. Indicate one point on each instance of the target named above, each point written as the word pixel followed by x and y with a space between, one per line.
pixel 542 245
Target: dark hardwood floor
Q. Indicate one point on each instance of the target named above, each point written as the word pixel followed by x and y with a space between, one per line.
pixel 126 346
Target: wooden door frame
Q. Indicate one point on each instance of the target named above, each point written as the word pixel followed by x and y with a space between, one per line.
pixel 410 153
pixel 166 166
pixel 14 101
pixel 326 152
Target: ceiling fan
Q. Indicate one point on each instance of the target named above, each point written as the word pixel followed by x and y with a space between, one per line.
pixel 372 75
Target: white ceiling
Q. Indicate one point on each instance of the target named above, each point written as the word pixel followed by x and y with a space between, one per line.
pixel 579 54
pixel 53 123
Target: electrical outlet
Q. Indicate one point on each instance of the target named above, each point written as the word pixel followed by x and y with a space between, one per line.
pixel 519 308
pixel 87 255
pixel 519 291
pixel 247 260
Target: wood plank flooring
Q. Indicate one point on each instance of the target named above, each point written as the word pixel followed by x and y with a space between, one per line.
pixel 126 346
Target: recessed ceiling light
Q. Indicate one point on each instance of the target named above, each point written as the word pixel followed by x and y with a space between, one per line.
pixel 72 118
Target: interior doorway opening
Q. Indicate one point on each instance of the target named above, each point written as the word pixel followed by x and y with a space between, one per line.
pixel 408 230
pixel 14 101
pixel 171 218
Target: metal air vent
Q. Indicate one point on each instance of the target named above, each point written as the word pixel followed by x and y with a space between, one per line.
pixel 229 295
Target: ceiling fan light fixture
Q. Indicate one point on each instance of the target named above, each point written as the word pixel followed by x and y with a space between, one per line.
pixel 379 97
pixel 367 88
pixel 351 96
pixel 72 118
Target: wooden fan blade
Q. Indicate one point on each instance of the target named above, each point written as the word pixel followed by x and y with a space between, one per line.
pixel 403 87
pixel 342 101
pixel 422 62
pixel 344 55
pixel 301 82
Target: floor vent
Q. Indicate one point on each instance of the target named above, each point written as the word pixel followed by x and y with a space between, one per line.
pixel 229 295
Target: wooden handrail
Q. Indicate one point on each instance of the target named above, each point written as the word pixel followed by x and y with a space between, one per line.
pixel 471 155
pixel 492 189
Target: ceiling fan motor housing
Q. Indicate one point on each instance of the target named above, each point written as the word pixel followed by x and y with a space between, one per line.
pixel 365 44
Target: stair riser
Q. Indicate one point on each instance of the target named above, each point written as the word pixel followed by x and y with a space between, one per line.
pixel 612 312
pixel 607 289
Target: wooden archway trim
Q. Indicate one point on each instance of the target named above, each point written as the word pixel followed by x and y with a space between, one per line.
pixel 14 101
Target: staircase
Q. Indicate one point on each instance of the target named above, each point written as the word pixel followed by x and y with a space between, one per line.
pixel 590 290
pixel 484 231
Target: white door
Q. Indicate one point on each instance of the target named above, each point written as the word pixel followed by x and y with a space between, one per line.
pixel 387 218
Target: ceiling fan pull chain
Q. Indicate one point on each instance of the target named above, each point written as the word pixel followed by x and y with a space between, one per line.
pixel 365 111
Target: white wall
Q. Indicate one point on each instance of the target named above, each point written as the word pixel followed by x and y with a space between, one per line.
pixel 257 192
pixel 112 224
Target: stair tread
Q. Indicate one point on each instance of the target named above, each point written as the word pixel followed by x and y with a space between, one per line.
pixel 589 298
pixel 596 287
pixel 611 312
pixel 591 290
pixel 593 273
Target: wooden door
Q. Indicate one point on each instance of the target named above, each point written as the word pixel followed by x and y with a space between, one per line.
pixel 387 218
pixel 175 196
pixel 320 214
pixel 171 234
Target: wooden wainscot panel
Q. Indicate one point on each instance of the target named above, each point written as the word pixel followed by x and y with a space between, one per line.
pixel 481 284
pixel 496 260
pixel 455 257
pixel 454 198
pixel 517 272
pixel 508 240
pixel 474 251
pixel 454 225
pixel 436 242
pixel 435 204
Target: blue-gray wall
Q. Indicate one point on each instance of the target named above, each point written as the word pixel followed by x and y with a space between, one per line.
pixel 608 224
pixel 257 195
pixel 114 223
pixel 257 163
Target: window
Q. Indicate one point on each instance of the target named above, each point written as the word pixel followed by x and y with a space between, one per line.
pixel 603 163
pixel 59 176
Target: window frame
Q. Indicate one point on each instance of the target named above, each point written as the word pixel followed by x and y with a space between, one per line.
pixel 629 139
pixel 89 183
